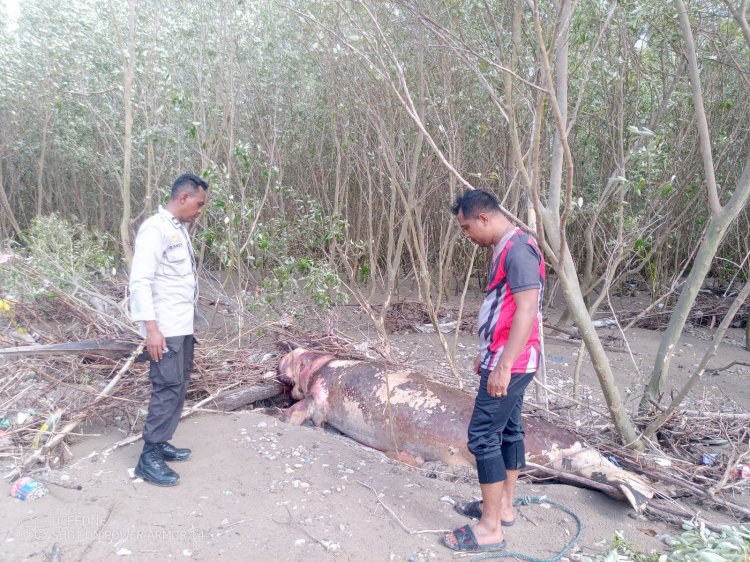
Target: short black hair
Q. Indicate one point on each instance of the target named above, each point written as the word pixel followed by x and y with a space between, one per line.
pixel 475 201
pixel 188 182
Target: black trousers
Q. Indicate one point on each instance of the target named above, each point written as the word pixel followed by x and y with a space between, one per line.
pixel 496 429
pixel 169 383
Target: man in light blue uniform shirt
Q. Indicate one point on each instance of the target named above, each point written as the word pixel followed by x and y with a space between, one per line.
pixel 163 293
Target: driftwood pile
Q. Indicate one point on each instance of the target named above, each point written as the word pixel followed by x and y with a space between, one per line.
pixel 46 393
pixel 72 358
pixel 708 310
pixel 696 459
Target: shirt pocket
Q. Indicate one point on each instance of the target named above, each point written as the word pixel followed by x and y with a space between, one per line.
pixel 176 261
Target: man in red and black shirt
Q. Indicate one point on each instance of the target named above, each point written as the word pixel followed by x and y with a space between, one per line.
pixel 509 357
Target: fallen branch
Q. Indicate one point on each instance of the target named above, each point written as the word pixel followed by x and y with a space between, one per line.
pixel 229 401
pixel 720 415
pixel 107 348
pixel 577 342
pixel 732 364
pixel 677 516
pixel 574 480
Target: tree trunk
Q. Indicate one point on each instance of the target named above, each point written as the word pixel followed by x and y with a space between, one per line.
pixel 129 75
pixel 7 209
pixel 577 307
pixel 150 182
pixel 40 164
pixel 102 210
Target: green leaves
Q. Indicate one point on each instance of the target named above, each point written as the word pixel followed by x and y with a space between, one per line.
pixel 698 543
pixel 66 253
pixel 193 129
pixel 695 544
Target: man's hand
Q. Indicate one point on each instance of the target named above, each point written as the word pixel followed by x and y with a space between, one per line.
pixel 477 365
pixel 156 344
pixel 498 381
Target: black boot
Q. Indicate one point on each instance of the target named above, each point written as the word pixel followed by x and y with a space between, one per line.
pixel 172 453
pixel 151 467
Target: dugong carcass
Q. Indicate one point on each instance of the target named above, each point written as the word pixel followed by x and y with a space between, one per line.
pixel 415 419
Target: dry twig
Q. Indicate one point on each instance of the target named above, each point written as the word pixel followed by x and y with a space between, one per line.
pixel 396 517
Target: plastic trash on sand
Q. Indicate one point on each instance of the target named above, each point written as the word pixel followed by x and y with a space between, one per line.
pixel 27 488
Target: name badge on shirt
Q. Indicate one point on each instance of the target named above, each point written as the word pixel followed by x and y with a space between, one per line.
pixel 174 242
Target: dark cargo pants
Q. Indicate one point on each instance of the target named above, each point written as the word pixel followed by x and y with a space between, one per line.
pixel 169 382
pixel 496 429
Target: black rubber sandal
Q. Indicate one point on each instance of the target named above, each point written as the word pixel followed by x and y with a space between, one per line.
pixel 466 541
pixel 473 509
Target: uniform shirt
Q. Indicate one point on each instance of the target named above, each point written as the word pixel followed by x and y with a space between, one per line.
pixel 163 278
pixel 517 265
